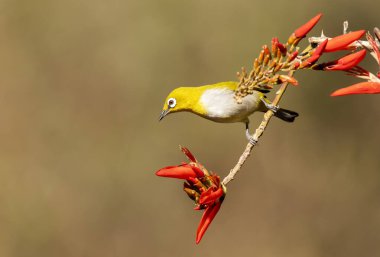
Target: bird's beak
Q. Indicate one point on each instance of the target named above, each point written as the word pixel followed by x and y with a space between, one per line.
pixel 163 114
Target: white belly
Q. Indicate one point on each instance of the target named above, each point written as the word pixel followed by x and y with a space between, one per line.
pixel 221 106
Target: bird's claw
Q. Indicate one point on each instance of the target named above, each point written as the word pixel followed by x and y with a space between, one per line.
pixel 273 108
pixel 250 138
pixel 252 141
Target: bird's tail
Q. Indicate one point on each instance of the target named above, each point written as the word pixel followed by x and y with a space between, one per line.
pixel 286 115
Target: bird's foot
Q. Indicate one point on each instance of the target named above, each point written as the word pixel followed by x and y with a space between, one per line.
pixel 273 108
pixel 252 141
pixel 250 138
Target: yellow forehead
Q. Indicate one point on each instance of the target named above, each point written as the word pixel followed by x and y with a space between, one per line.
pixel 181 97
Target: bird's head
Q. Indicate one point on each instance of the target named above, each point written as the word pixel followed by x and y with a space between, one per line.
pixel 180 99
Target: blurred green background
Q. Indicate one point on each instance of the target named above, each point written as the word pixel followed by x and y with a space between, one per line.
pixel 82 84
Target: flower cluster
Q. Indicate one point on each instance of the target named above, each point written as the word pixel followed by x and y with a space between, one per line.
pixel 288 57
pixel 204 188
pixel 372 84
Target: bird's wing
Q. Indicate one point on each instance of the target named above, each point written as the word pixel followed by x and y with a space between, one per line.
pixel 262 90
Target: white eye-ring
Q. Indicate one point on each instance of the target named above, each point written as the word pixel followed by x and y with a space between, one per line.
pixel 172 102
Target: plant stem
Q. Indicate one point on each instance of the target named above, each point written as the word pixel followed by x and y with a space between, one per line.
pixel 258 133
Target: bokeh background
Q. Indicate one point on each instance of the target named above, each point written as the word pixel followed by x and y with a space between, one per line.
pixel 81 86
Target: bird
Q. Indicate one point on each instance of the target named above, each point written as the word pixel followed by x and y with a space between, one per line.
pixel 216 102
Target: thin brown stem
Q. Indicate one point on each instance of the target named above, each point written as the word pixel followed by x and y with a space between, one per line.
pixel 258 133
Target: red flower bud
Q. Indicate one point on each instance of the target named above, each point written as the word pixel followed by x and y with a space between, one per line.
pixel 347 62
pixel 274 45
pixel 309 61
pixel 292 56
pixel 320 48
pixel 360 88
pixel 206 220
pixel 182 172
pixel 291 80
pixel 304 29
pixel 341 42
pixel 282 48
pixel 210 196
pixel 198 171
pixel 188 154
pixel 196 183
pixel 266 52
pixel 316 54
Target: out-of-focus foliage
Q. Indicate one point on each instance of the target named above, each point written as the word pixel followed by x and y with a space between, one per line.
pixel 82 84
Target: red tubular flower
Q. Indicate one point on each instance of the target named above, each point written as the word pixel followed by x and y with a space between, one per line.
pixel 203 188
pixel 301 32
pixel 206 220
pixel 304 29
pixel 347 62
pixel 360 88
pixel 316 54
pixel 184 171
pixel 343 41
pixel 320 48
pixel 211 195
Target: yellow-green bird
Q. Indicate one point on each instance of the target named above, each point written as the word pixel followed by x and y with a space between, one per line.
pixel 216 102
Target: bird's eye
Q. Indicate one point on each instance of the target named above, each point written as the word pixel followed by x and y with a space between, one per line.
pixel 172 102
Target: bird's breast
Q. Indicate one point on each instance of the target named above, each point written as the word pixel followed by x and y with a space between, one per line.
pixel 220 105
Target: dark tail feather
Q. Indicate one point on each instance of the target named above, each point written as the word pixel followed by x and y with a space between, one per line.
pixel 286 115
